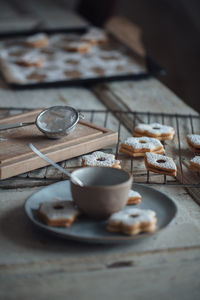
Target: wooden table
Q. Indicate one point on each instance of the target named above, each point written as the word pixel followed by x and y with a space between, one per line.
pixel 34 265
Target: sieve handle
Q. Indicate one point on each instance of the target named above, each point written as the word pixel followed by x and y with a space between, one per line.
pixel 15 125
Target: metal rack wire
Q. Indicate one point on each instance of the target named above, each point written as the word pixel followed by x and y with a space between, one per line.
pixel 125 121
pixel 178 148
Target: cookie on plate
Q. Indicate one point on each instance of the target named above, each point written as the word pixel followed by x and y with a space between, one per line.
pixel 58 213
pixel 134 198
pixel 160 164
pixel 155 130
pixel 132 221
pixel 193 141
pixel 138 146
pixel 38 40
pixel 100 159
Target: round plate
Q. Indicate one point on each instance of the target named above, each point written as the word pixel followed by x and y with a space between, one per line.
pixel 88 230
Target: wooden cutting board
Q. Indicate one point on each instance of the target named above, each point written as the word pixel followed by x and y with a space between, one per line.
pixel 16 157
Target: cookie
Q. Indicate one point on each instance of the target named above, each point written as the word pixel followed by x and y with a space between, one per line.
pixel 38 40
pixel 155 130
pixel 137 147
pixel 194 164
pixel 160 164
pixel 95 36
pixel 133 198
pixel 132 221
pixel 80 47
pixel 193 141
pixel 100 159
pixel 58 213
pixel 30 60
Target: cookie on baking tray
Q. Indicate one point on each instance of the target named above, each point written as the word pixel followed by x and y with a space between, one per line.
pixel 132 221
pixel 133 198
pixel 30 60
pixel 160 164
pixel 155 130
pixel 194 164
pixel 38 40
pixel 78 46
pixel 100 159
pixel 193 141
pixel 138 146
pixel 95 36
pixel 58 213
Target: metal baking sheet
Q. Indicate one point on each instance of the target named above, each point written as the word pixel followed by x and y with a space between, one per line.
pixel 107 61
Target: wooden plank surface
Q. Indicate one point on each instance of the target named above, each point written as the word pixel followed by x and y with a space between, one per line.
pixel 16 157
pixel 35 265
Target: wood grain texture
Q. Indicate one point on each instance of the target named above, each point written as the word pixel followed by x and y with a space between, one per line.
pixel 16 157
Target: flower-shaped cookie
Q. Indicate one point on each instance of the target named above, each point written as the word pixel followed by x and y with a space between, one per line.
pixel 155 130
pixel 138 146
pixel 58 213
pixel 132 221
pixel 100 159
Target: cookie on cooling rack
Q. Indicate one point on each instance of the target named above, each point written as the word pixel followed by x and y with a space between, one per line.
pixel 58 213
pixel 194 164
pixel 132 221
pixel 138 146
pixel 193 141
pixel 38 40
pixel 155 130
pixel 134 198
pixel 100 159
pixel 160 164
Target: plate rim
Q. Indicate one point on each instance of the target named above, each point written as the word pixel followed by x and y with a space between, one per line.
pixel 109 239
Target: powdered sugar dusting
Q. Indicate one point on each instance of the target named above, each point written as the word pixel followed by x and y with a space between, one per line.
pixel 155 128
pixel 68 211
pixel 101 159
pixel 196 160
pixel 126 216
pixel 194 139
pixel 153 159
pixel 133 194
pixel 143 143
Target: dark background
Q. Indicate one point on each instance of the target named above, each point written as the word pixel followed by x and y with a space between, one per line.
pixel 170 34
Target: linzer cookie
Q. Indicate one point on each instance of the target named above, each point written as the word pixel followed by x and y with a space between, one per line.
pixel 30 60
pixel 155 130
pixel 195 164
pixel 134 198
pixel 78 47
pixel 160 164
pixel 38 40
pixel 94 36
pixel 58 213
pixel 137 147
pixel 132 221
pixel 100 159
pixel 193 141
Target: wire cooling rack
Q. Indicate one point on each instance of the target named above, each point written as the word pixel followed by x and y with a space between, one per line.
pixel 125 121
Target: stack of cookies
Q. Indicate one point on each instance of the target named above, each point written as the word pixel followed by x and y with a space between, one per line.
pixel 146 142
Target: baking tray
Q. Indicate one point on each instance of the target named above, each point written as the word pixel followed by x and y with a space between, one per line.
pixel 151 68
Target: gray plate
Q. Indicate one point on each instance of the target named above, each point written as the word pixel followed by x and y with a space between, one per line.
pixel 88 230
